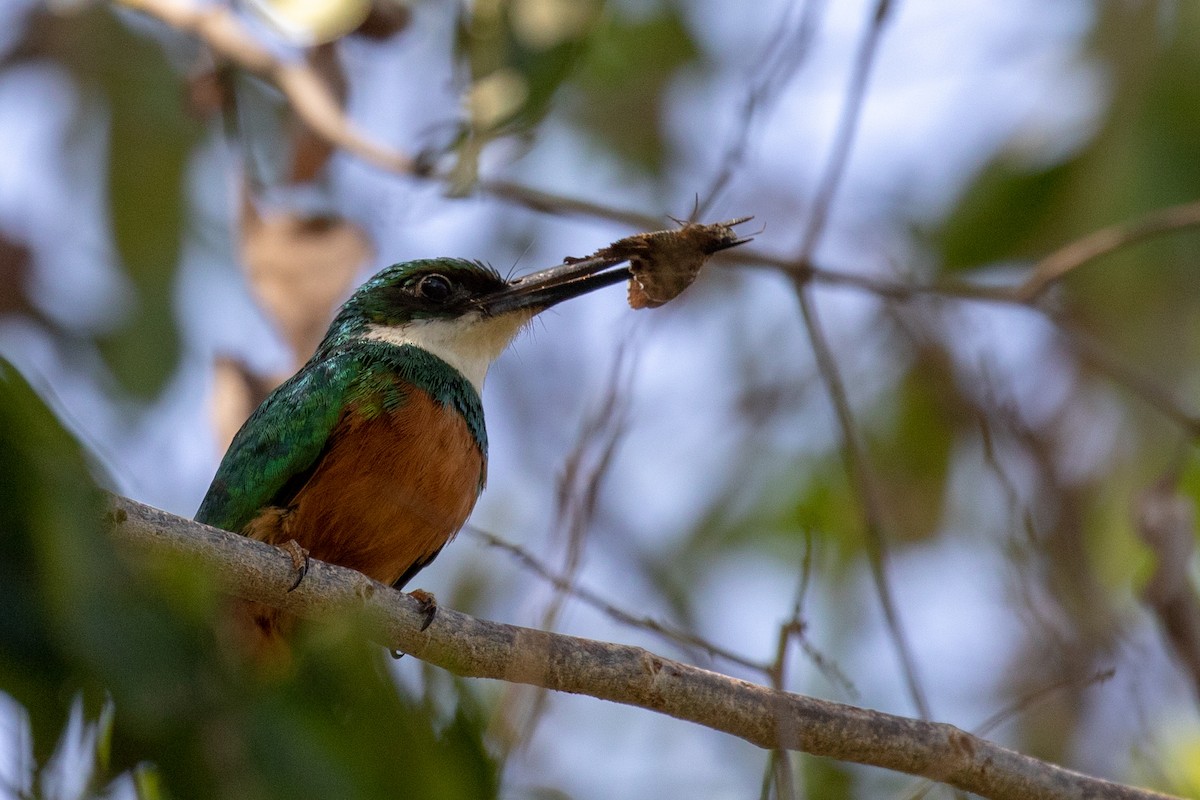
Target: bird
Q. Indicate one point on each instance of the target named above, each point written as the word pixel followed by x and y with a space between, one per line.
pixel 373 454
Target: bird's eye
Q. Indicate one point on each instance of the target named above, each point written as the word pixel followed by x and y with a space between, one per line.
pixel 434 287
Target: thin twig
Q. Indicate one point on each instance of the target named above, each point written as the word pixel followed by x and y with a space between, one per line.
pixel 315 104
pixel 847 127
pixel 797 628
pixel 852 449
pixel 1166 522
pixel 857 467
pixel 578 495
pixel 779 765
pixel 1019 706
pixel 472 647
pixel 784 54
pixel 681 637
pixel 1123 374
pixel 310 97
pixel 1055 266
pixel 579 485
pixel 552 203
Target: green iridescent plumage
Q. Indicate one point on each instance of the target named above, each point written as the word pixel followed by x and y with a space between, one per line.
pixel 286 436
pixel 284 439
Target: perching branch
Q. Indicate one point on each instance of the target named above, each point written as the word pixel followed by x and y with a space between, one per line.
pixel 631 675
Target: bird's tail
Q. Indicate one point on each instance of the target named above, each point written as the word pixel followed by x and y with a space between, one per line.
pixel 258 634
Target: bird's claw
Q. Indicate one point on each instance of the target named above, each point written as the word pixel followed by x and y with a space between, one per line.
pixel 428 603
pixel 300 561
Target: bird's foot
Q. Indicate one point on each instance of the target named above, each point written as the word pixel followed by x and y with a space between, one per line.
pixel 428 603
pixel 299 558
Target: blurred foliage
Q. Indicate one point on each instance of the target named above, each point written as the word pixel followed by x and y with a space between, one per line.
pixel 1140 158
pixel 76 621
pixel 1182 765
pixel 1067 516
pixel 1189 477
pixel 517 53
pixel 521 53
pixel 1001 214
pixel 827 779
pixel 15 274
pixel 826 506
pixel 1138 303
pixel 134 95
pixel 623 81
pixel 46 499
pixel 912 456
pixel 913 435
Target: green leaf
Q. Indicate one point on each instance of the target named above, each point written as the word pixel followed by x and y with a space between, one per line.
pixel 827 505
pixel 533 44
pixel 46 495
pixel 828 779
pixel 1139 159
pixel 137 95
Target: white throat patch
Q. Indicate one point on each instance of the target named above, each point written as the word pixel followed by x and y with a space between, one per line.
pixel 469 343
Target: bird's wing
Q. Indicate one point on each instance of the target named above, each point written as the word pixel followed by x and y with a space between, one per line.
pixel 279 444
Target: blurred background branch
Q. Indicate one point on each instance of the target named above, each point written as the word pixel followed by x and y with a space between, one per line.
pixel 308 94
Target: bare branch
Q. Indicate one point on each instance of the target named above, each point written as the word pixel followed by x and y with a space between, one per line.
pixel 578 493
pixel 1159 397
pixel 1018 707
pixel 1082 251
pixel 316 104
pixel 779 765
pixel 688 640
pixel 551 203
pixel 310 97
pixel 859 470
pixel 785 52
pixel 852 449
pixel 843 140
pixel 630 675
pixel 581 479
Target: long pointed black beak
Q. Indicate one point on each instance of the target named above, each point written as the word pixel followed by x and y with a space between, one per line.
pixel 661 263
pixel 540 290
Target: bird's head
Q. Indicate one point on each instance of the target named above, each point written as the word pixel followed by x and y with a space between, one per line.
pixel 462 311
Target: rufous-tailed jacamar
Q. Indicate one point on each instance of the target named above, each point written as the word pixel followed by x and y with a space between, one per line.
pixel 374 453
